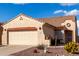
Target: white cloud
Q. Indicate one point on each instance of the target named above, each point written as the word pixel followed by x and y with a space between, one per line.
pixel 20 3
pixel 72 12
pixel 68 4
pixel 59 11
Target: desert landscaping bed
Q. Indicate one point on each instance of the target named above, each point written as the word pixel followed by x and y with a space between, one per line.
pixel 50 52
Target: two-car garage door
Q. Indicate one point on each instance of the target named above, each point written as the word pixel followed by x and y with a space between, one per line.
pixel 23 37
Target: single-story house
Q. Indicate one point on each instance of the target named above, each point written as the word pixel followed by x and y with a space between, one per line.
pixel 25 30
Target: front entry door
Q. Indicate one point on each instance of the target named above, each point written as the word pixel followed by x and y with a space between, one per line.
pixel 68 36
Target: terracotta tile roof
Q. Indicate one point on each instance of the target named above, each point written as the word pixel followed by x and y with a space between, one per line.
pixel 23 28
pixel 56 21
pixel 61 28
pixel 48 25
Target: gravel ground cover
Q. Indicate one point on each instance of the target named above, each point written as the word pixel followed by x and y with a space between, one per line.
pixel 51 51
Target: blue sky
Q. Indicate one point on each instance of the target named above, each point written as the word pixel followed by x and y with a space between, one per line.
pixel 38 10
pixel 8 11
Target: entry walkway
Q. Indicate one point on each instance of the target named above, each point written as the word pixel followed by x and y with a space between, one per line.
pixel 7 50
pixel 56 47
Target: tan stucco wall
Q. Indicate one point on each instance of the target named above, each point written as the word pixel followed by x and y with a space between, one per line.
pixel 26 22
pixel 4 38
pixel 72 28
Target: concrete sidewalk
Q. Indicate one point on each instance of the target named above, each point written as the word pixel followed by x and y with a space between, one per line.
pixel 7 50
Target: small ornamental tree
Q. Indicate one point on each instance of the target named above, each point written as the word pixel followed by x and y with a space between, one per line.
pixel 71 47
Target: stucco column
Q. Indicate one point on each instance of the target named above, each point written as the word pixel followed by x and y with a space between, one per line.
pixel 74 36
pixel 4 38
pixel 64 36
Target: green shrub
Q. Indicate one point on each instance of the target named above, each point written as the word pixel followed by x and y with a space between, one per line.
pixel 71 47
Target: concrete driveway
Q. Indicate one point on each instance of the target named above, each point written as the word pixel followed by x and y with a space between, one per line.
pixel 7 50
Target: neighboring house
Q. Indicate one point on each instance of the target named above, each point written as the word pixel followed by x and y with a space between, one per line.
pixel 24 30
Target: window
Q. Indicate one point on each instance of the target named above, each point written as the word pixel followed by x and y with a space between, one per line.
pixel 68 24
